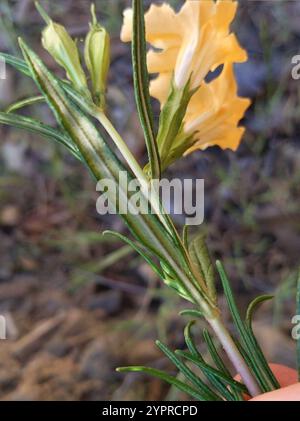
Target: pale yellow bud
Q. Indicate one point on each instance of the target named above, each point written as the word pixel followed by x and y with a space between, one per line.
pixel 97 58
pixel 63 49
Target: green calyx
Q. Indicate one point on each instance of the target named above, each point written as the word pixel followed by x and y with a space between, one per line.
pixel 172 141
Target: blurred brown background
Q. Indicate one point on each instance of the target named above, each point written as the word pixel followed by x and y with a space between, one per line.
pixel 78 305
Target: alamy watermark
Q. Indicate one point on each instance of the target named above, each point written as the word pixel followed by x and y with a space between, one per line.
pixel 296 67
pixel 179 197
pixel 2 327
pixel 296 328
pixel 2 69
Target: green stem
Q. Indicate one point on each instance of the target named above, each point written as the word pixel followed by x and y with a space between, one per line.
pixel 43 13
pixel 133 165
pixel 123 148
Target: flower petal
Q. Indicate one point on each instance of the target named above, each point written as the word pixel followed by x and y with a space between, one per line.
pixel 162 30
pixel 215 111
pixel 225 13
pixel 162 61
pixel 126 31
pixel 160 87
pixel 229 139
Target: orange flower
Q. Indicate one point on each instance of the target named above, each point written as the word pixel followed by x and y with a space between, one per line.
pixel 193 41
pixel 186 46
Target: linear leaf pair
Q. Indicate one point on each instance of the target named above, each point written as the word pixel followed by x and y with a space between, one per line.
pixel 218 384
pixel 249 346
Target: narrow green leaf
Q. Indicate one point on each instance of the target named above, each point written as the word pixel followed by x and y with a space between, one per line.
pixel 169 281
pixel 190 341
pixel 184 369
pixel 249 361
pixel 173 282
pixel 253 306
pixel 25 103
pixel 206 368
pixel 165 377
pixel 192 313
pixel 138 249
pixel 263 374
pixel 141 86
pixel 201 258
pixel 185 235
pixel 214 353
pixel 246 340
pixel 84 274
pixel 262 359
pixel 216 382
pixel 39 128
pixel 249 316
pixel 17 63
pixel 83 103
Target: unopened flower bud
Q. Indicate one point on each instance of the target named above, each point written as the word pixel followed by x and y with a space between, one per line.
pixel 97 58
pixel 63 49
